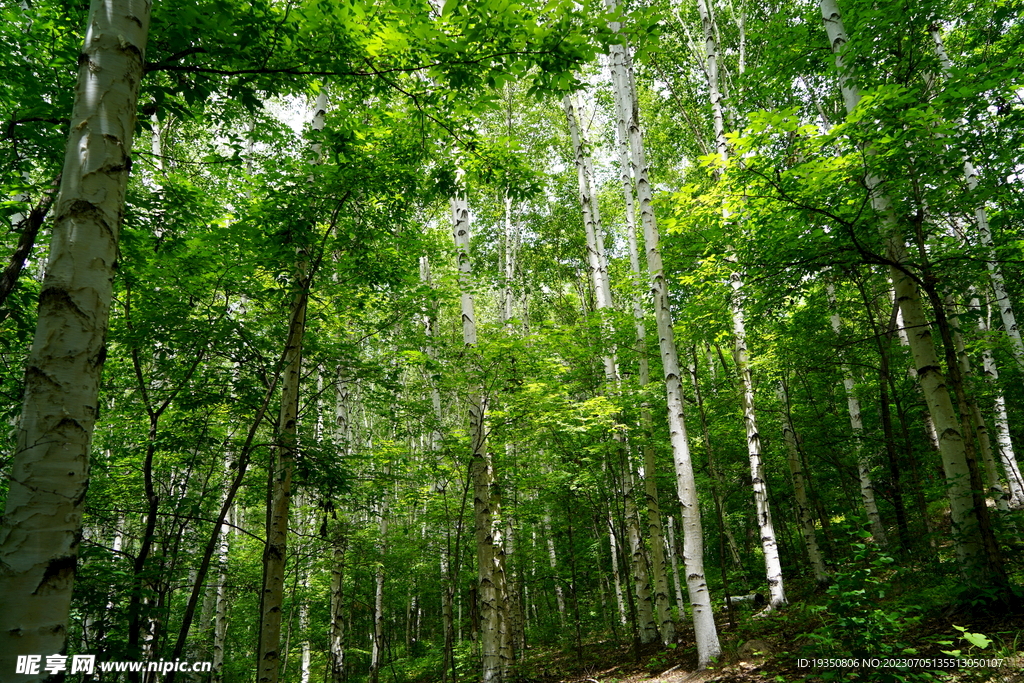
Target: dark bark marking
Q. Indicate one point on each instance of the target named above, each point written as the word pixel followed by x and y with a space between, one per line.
pixel 58 298
pixel 34 373
pixel 68 422
pixel 59 571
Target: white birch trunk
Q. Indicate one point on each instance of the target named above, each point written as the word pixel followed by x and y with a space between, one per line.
pixel 509 263
pixel 433 441
pixel 304 632
pixel 967 538
pixel 591 213
pixel 995 487
pixel 769 543
pixel 675 565
pixel 220 613
pixel 486 505
pixel 377 638
pixel 1015 482
pixel 49 473
pixel 553 562
pixel 597 260
pixel 336 630
pixel 619 597
pixel 929 424
pixel 1003 303
pixel 867 489
pixel 706 633
pixel 638 561
pixel 654 523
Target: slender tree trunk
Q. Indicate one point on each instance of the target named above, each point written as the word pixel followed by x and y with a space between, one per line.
pixel 377 642
pixel 343 435
pixel 49 473
pixel 1004 444
pixel 553 562
pixel 984 230
pixel 268 654
pixel 993 485
pixel 599 272
pixel 796 471
pixel 769 544
pixel 617 580
pixel 717 484
pixel 638 560
pixel 448 588
pixel 693 546
pixel 867 487
pixel 969 537
pixel 883 338
pixel 671 540
pixel 29 227
pixel 486 497
pixel 220 615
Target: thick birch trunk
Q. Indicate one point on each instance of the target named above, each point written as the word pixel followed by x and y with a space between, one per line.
pixel 803 508
pixel 867 488
pixel 693 545
pixel 49 473
pixel 486 500
pixel 269 655
pixel 967 532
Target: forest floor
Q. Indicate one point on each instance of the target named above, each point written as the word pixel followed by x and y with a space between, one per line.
pixel 768 650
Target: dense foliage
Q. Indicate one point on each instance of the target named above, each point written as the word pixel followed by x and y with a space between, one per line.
pixel 238 206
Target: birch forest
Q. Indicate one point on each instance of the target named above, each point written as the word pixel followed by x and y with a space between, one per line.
pixel 502 341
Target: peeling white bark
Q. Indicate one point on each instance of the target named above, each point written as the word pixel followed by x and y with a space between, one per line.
pixel 49 474
pixel 486 501
pixel 706 633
